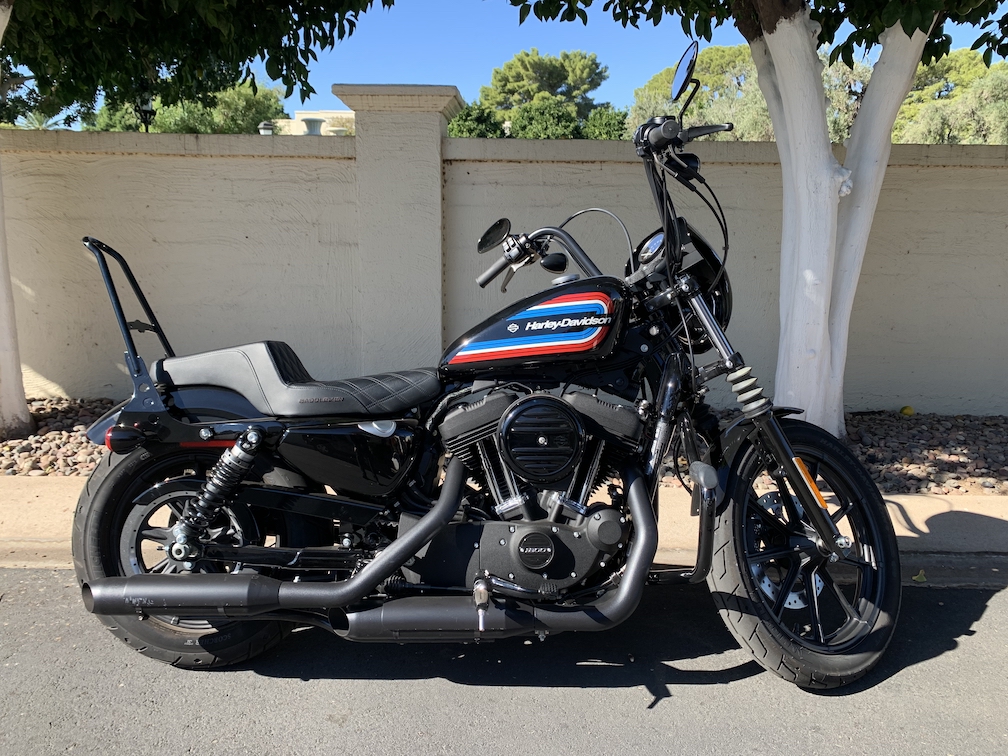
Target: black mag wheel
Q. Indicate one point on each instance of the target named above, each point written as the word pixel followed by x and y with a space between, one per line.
pixel 122 526
pixel 813 621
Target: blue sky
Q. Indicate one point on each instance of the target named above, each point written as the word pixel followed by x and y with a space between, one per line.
pixel 461 41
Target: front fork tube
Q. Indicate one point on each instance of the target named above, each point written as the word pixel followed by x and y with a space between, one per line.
pixel 804 486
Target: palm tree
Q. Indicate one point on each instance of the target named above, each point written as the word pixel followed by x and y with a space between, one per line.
pixel 37 121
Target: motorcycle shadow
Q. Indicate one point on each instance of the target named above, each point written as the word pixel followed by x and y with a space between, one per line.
pixel 674 638
pixel 932 620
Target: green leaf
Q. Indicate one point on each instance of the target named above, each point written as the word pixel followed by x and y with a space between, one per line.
pixel 273 69
pixel 891 13
pixel 523 13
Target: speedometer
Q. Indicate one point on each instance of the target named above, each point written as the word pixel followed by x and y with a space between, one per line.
pixel 651 248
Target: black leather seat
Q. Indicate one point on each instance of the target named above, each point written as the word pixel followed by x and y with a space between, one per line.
pixel 271 376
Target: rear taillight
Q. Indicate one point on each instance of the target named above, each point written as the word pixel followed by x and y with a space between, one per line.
pixel 122 439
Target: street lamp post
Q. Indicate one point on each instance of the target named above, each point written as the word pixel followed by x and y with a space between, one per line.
pixel 146 112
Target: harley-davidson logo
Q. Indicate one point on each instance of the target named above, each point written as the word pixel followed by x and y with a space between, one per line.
pixel 552 325
pixel 513 327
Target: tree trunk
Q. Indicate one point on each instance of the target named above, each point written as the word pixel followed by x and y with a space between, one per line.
pixel 828 208
pixel 15 420
pixel 767 79
pixel 867 158
pixel 813 180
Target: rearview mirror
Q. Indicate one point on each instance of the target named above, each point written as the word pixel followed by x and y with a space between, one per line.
pixel 494 236
pixel 684 71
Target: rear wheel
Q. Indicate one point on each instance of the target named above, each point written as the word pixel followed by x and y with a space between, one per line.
pixel 122 526
pixel 817 623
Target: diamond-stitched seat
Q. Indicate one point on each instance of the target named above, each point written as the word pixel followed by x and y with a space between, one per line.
pixel 272 377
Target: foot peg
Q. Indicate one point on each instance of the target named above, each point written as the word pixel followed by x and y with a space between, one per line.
pixel 481 597
pixel 705 483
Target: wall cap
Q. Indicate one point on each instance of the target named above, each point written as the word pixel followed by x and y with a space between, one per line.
pixel 401 98
pixel 723 153
pixel 185 145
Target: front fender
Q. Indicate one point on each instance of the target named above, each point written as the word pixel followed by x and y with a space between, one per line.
pixel 731 439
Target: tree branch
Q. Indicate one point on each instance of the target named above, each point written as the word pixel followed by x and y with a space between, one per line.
pixel 867 158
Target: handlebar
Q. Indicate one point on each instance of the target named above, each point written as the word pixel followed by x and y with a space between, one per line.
pixel 493 271
pixel 668 132
pixel 520 247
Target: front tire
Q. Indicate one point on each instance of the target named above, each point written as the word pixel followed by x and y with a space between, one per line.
pixel 816 623
pixel 113 507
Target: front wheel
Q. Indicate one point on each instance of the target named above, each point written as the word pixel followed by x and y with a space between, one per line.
pixel 815 622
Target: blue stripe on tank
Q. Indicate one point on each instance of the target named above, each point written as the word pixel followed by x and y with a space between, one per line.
pixel 530 340
pixel 564 309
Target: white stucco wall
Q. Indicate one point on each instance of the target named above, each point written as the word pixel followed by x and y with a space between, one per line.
pixel 233 239
pixel 930 323
pixel 240 238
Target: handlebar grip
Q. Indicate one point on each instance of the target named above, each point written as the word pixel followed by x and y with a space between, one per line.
pixel 694 132
pixel 661 136
pixel 492 272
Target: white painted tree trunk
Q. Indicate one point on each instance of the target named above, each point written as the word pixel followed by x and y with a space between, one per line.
pixel 824 237
pixel 767 79
pixel 14 416
pixel 816 180
pixel 867 158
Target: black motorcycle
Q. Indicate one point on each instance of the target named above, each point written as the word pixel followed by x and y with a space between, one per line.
pixel 510 491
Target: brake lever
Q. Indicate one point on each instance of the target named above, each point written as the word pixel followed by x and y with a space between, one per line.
pixel 514 268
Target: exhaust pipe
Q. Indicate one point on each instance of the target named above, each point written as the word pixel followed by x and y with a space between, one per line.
pixel 445 618
pixel 249 594
pixel 235 595
pixel 431 618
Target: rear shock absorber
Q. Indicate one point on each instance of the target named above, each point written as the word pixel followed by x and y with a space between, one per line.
pixel 222 480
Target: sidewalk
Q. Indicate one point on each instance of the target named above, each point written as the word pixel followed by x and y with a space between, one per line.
pixel 956 540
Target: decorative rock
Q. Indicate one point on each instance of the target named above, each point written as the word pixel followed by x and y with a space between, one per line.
pixel 53 449
pixel 960 451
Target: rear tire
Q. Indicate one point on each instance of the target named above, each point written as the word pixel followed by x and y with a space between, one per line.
pixel 812 622
pixel 106 509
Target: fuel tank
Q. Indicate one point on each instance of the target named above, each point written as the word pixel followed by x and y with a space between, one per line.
pixel 566 326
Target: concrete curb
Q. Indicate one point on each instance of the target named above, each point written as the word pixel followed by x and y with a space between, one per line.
pixel 963 538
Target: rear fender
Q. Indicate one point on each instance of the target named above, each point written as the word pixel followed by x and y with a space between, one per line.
pixel 197 404
pixel 96 433
pixel 205 404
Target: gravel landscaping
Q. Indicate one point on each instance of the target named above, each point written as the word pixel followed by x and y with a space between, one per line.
pixel 940 454
pixel 59 446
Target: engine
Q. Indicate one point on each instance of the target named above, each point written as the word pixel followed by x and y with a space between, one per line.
pixel 538 453
pixel 537 459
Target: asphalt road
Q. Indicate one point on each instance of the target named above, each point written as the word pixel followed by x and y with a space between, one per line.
pixel 670 680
